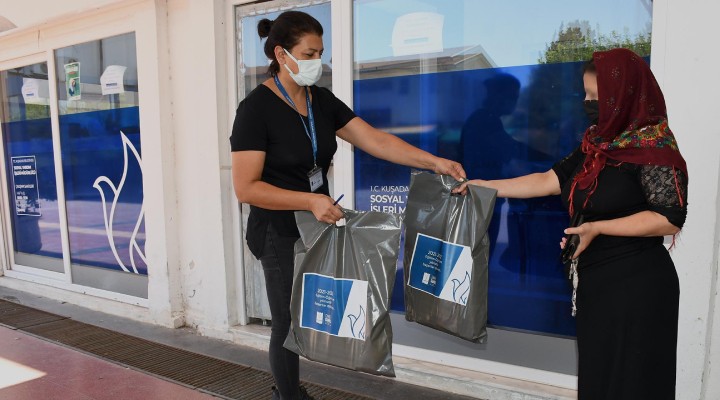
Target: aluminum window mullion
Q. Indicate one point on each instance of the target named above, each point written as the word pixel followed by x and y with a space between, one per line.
pixel 57 156
pixel 6 257
pixel 232 26
pixel 341 15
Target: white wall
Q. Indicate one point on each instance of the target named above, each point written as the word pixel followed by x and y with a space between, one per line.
pixel 711 374
pixel 685 60
pixel 158 143
pixel 199 115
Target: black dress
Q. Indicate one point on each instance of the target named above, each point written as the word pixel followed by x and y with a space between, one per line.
pixel 628 291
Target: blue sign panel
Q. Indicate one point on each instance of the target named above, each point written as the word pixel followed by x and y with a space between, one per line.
pixel 441 268
pixel 25 184
pixel 334 306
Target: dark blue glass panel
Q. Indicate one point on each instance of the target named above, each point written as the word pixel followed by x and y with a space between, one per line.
pixel 103 188
pixel 499 123
pixel 101 159
pixel 27 139
pixel 34 234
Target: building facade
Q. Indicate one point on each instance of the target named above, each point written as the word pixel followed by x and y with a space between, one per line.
pixel 117 193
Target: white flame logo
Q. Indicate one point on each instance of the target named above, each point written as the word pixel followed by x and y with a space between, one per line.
pixel 109 216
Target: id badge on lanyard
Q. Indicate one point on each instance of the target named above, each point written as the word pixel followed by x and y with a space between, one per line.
pixel 315 175
pixel 316 178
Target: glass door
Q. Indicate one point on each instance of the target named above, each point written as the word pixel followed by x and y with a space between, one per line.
pixel 32 215
pixel 251 70
pixel 102 169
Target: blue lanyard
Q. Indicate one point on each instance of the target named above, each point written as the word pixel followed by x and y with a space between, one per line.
pixel 311 133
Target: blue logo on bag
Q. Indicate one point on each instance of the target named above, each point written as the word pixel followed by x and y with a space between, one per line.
pixel 461 289
pixel 333 305
pixel 441 268
pixel 357 324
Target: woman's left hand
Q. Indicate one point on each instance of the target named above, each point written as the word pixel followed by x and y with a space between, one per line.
pixel 587 233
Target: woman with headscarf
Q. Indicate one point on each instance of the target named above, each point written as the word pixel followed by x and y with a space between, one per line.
pixel 628 180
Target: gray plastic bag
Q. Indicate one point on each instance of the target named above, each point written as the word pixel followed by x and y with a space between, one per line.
pixel 446 255
pixel 344 277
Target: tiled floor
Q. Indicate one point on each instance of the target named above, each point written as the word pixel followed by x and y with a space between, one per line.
pixel 34 369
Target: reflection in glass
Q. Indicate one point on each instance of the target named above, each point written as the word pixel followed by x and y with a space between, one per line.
pixel 30 168
pixel 252 61
pixel 501 91
pixel 101 153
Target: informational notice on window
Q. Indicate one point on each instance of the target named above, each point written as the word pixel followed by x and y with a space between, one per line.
pixel 441 269
pixel 34 91
pixel 72 80
pixel 25 183
pixel 334 306
pixel 111 81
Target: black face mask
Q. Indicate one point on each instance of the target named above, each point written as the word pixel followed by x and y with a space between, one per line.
pixel 592 109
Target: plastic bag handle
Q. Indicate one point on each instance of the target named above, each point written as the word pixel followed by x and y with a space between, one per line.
pixel 457 185
pixel 347 216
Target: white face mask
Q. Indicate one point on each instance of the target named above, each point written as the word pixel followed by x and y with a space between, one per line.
pixel 309 71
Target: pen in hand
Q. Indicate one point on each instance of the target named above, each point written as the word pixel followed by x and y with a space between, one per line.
pixel 338 199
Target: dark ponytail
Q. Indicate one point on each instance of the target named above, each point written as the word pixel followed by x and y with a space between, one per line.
pixel 285 31
pixel 264 27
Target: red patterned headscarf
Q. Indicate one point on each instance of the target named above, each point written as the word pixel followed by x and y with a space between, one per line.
pixel 633 124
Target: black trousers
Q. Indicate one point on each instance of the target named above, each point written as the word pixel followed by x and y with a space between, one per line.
pixel 277 261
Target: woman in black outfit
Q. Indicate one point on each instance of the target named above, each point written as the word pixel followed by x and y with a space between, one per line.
pixel 283 139
pixel 629 182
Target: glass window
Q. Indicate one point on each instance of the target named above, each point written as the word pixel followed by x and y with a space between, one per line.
pixel 30 167
pixel 101 157
pixel 252 61
pixel 497 86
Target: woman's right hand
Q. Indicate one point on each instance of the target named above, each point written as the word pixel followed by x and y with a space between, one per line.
pixel 463 186
pixel 324 210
